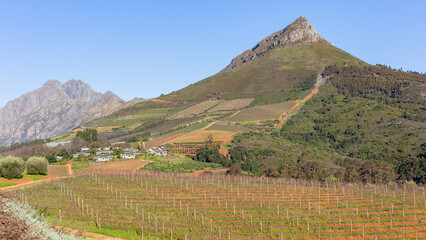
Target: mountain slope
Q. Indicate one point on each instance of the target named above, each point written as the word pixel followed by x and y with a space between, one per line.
pixel 276 65
pixel 52 110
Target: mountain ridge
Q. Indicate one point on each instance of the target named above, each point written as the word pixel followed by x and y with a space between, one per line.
pixel 300 30
pixel 52 109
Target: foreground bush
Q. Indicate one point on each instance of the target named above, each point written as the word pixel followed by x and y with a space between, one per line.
pixel 37 165
pixel 11 167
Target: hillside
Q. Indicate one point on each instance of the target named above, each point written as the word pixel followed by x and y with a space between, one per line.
pixel 364 113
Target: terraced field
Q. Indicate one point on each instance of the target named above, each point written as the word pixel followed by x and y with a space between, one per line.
pixel 153 205
pixel 231 105
pixel 227 127
pixel 202 135
pixel 264 112
pixel 163 139
pixel 196 109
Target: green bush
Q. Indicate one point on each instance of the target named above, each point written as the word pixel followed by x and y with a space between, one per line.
pixel 37 165
pixel 11 167
pixel 183 167
pixel 80 165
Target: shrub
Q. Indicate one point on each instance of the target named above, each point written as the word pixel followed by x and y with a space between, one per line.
pixel 331 178
pixel 235 169
pixel 37 165
pixel 11 167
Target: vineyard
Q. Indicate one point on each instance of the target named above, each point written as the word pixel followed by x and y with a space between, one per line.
pixel 202 135
pixel 151 205
pixel 264 112
pixel 231 105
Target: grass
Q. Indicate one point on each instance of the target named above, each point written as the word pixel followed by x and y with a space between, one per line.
pixel 36 177
pixel 64 137
pixel 7 184
pixel 264 112
pixel 80 165
pixel 25 178
pixel 129 119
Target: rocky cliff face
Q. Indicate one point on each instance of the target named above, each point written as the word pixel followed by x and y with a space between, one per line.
pixel 54 109
pixel 298 31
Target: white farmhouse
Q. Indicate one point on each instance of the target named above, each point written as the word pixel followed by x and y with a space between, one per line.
pixel 129 155
pixel 103 158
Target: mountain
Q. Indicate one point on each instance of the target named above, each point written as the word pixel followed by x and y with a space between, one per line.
pixel 297 32
pixel 284 61
pixel 53 109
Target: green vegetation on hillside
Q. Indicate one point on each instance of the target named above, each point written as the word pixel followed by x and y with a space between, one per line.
pixel 368 122
pixel 264 112
pixel 280 72
pixel 179 164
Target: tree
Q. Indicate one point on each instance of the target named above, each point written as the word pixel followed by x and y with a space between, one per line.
pixel 11 167
pixel 37 165
pixel 235 169
pixel 351 174
pixel 77 143
pixel 88 134
pixel 376 172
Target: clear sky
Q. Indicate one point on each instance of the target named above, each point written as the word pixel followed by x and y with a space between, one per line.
pixel 146 48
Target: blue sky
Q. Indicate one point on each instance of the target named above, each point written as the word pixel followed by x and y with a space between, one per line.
pixel 146 48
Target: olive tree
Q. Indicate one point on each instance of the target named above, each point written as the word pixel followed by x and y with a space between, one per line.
pixel 37 165
pixel 11 167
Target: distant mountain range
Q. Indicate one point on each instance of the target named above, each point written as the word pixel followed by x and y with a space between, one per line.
pixel 53 109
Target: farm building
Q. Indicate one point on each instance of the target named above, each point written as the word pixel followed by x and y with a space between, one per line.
pixel 131 150
pixel 129 155
pixel 158 151
pixel 104 152
pixel 104 158
pixel 85 149
pixel 84 154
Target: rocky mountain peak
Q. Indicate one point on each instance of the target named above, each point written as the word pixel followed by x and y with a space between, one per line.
pixel 53 109
pixel 76 89
pixel 298 31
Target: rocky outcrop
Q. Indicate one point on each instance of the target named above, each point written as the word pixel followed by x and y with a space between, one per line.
pixel 53 109
pixel 298 31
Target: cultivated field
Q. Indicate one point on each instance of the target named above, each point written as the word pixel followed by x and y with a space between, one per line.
pixel 202 135
pixel 152 205
pixel 264 112
pixel 196 109
pixel 227 127
pixel 163 139
pixel 231 105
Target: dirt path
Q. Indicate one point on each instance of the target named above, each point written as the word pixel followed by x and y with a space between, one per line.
pixel 23 185
pixel 88 235
pixel 229 138
pixel 70 170
pixel 320 81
